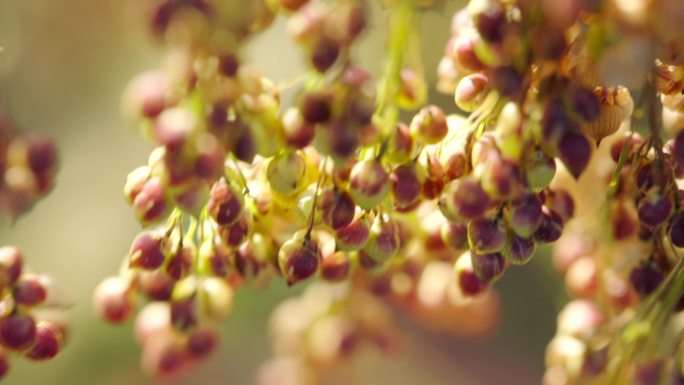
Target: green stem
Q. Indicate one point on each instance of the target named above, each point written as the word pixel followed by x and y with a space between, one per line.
pixel 402 19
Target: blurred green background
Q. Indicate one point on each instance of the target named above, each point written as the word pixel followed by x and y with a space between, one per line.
pixel 62 69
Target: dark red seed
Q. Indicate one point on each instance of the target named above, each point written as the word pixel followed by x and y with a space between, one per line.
pixel 17 331
pixel 29 292
pixel 48 342
pixel 488 267
pixel 574 150
pixel 146 251
pixel 324 54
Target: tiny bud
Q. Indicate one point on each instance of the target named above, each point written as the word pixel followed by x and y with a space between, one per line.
pixel 29 291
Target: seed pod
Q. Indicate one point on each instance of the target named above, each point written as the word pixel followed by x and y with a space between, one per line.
pixel 17 331
pixel 146 251
pixel 335 267
pixel 468 281
pixel 574 150
pixel 48 342
pixel 298 259
pixel 287 173
pixel 369 184
pixel 488 267
pixel 471 91
pixel 463 199
pixel 407 183
pixel 383 242
pixel 487 235
pixel 355 235
pixel 202 343
pixel 455 235
pixel 29 291
pixel 113 300
pixel 429 125
pixel 150 203
pixel 11 265
pixel 519 250
pixel 225 203
pixel 551 227
pixel 400 145
pixel 525 215
pixel 655 207
pixel 218 298
pixel 676 230
pixel 336 208
pixel 646 278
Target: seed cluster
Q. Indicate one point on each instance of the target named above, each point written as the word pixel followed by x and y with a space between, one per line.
pixel 27 166
pixel 31 323
pixel 362 181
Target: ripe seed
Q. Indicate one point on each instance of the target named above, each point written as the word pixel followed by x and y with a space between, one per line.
pixel 298 260
pixel 369 184
pixel 488 267
pixel 225 203
pixel 429 125
pixel 146 252
pixel 354 236
pixel 113 300
pixel 29 291
pixel 202 343
pixel 487 235
pixel 17 331
pixel 48 342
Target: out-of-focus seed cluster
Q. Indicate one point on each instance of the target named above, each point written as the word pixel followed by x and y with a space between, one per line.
pixel 27 167
pixel 32 323
pixel 361 180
